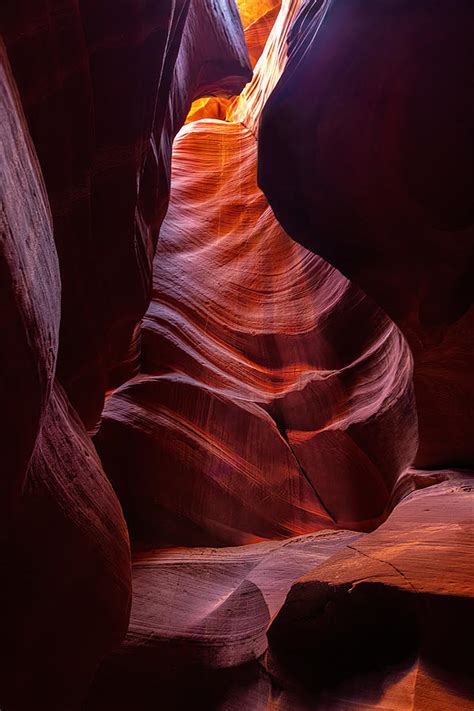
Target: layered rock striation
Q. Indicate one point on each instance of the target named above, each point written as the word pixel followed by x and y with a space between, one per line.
pixel 104 89
pixel 263 418
pixel 275 399
pixel 100 93
pixel 366 158
pixel 64 548
pixel 257 414
pixel 373 624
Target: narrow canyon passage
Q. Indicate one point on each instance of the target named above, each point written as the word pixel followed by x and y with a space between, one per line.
pixel 246 334
pixel 259 414
pixel 244 477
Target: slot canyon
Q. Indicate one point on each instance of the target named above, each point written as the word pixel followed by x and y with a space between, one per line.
pixel 237 355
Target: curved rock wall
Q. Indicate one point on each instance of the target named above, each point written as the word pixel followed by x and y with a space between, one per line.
pixel 102 91
pixel 265 398
pixel 366 158
pixel 64 549
pixel 261 415
pixel 276 398
pixel 30 309
pixel 95 81
pixel 331 620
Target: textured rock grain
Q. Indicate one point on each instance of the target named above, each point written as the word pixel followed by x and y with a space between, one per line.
pixel 29 291
pixel 64 550
pixel 258 413
pixel 365 155
pixel 104 93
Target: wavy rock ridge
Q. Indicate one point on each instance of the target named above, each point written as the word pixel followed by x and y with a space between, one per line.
pixel 275 399
pixel 275 371
pixel 109 91
pixel 100 92
pixel 58 522
pixel 369 133
pixel 316 408
pixel 262 419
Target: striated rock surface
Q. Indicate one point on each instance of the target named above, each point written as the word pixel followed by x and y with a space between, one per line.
pixel 374 624
pixel 265 423
pixel 280 371
pixel 65 556
pixel 274 399
pixel 29 310
pixel 216 604
pixel 104 92
pixel 366 158
pixel 404 593
pixel 260 415
pixel 212 615
pixel 64 551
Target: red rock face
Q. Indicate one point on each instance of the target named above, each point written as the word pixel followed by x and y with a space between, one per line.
pixel 409 580
pixel 66 552
pixel 265 423
pixel 64 544
pixel 104 89
pixel 65 592
pixel 365 156
pixel 275 399
pixel 254 395
pixel 373 625
pixel 29 316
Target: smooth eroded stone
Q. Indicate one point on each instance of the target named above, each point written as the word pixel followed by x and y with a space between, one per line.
pixel 365 155
pixel 30 292
pixel 66 587
pixel 105 87
pixel 201 612
pixel 275 397
pixel 404 591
